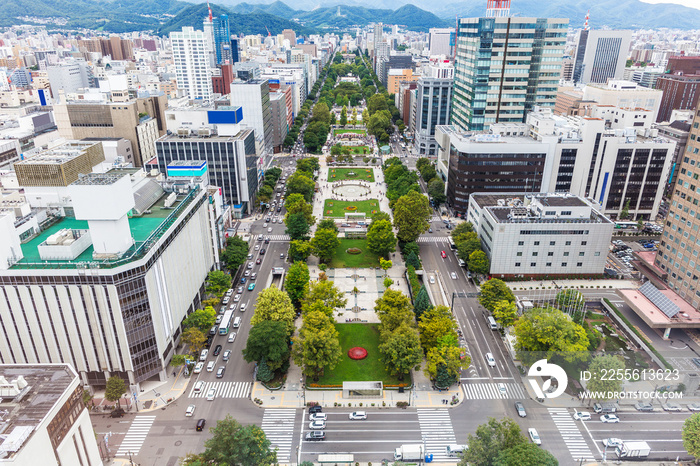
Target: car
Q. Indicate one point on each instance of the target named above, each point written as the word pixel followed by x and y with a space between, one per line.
pixel 211 394
pixel 217 350
pixel 251 287
pixel 609 418
pixel 247 273
pixel 227 355
pixel 237 298
pixel 257 247
pixel 250 256
pixel 443 254
pixel 229 292
pixel 582 416
pixel 315 435
pixel 250 265
pixel 358 416
pixel 643 406
pixel 218 318
pixel 262 252
pixel 430 230
pixel 432 279
pixel 612 442
pixel 264 225
pixel 694 407
pixel 267 240
pixel 279 209
pixel 318 417
pixel 243 280
pixel 198 368
pixel 267 219
pixel 254 276
pixel 501 388
pixel 220 372
pixel 453 275
pixel 239 290
pixel 243 306
pixel 258 260
pixel 317 425
pixel 534 436
pixel 190 410
pixel 203 355
pixel 269 229
pixel 281 255
pixel 315 409
pixel 200 425
pixel 225 300
pixel 490 360
pixel 232 337
pixel 670 406
pixel 260 237
pixel 210 366
pixel 520 409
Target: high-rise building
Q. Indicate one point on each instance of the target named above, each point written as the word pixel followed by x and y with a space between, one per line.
pixel 441 41
pixel 504 67
pixel 235 54
pixel 433 97
pixel 69 77
pixel 680 92
pixel 678 251
pixel 378 34
pixel 291 36
pixel 222 40
pixel 254 97
pixel 190 54
pixel 600 55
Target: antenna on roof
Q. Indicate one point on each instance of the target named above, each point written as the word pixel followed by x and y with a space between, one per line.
pixel 585 24
pixel 211 20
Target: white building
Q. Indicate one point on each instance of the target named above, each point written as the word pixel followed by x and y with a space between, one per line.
pixel 69 77
pixel 600 55
pixel 45 420
pixel 191 56
pixel 624 94
pixel 540 234
pixel 440 41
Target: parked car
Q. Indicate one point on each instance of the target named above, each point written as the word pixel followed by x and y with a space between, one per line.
pixel 317 425
pixel 643 406
pixel 315 435
pixel 318 417
pixel 693 406
pixel 358 415
pixel 671 406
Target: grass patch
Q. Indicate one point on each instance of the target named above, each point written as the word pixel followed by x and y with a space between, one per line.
pixel 338 209
pixel 359 150
pixel 343 259
pixel 370 368
pixel 360 174
pixel 343 131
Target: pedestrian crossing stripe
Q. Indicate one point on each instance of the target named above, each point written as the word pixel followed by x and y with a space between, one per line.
pixel 278 237
pixel 224 390
pixel 489 391
pixel 431 239
pixel 569 430
pixel 278 425
pixel 136 435
pixel 437 433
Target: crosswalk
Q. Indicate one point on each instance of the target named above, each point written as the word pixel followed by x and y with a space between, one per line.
pixel 490 391
pixel 278 425
pixel 136 435
pixel 437 432
pixel 431 239
pixel 571 434
pixel 436 218
pixel 224 389
pixel 278 237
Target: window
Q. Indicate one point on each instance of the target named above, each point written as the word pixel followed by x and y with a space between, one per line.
pixel 581 254
pixel 534 253
pixel 548 264
pixel 550 253
pixel 568 243
pixel 533 264
pixel 552 243
pixel 563 264
pixel 537 243
pixel 579 264
pixel 583 243
pixel 521 243
pixel 519 254
pixel 566 253
pixel 597 254
pixel 517 264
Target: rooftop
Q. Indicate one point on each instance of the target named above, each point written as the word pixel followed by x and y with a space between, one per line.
pixel 57 155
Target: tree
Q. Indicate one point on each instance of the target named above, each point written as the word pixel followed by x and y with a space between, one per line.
pixel 428 173
pixel 324 243
pixel 388 282
pixel 297 227
pixel 264 373
pixel 493 291
pixel 296 203
pixel 353 119
pixel 235 253
pixel 467 244
pixel 268 341
pixel 505 313
pixel 411 215
pixel 461 229
pixel 178 360
pixel 570 299
pixel 600 368
pixel 299 183
pixel 691 435
pixel 274 304
pixel 365 116
pixel 203 319
pixel 421 303
pixel 115 388
pixel 413 260
pixel 436 191
pixel 401 351
pixel 308 165
pixel 625 214
pixel 299 250
pixel 327 293
pixel 490 440
pixel 265 194
pixel 377 217
pixel 393 310
pixel 381 239
pixel 378 124
pixel 434 324
pixel 445 357
pixel 194 338
pixel 542 333
pixel 525 454
pixel 218 282
pixel 232 443
pixel 327 224
pixel 423 162
pixel 321 113
pixel 296 283
pixel 376 103
pixel 317 348
pixel 409 248
pixel 479 262
pixel 344 116
pixel 385 264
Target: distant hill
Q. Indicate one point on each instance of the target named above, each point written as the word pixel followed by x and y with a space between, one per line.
pixel 343 16
pixel 277 8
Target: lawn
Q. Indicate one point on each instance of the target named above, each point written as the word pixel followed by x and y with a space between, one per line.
pixel 343 131
pixel 343 259
pixel 362 150
pixel 341 174
pixel 370 368
pixel 338 209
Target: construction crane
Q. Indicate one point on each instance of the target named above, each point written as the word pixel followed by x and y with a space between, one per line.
pixel 268 32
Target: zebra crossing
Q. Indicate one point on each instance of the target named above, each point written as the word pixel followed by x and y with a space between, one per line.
pixel 431 239
pixel 490 391
pixel 435 218
pixel 278 425
pixel 571 434
pixel 136 435
pixel 437 432
pixel 278 237
pixel 224 390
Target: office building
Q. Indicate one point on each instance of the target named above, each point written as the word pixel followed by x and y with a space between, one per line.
pixel 105 286
pixel 69 77
pixel 600 55
pixel 624 94
pixel 235 52
pixel 44 418
pixel 394 61
pixel 678 252
pixel 222 40
pixel 677 131
pixel 254 97
pixel 441 41
pixel 403 102
pixel 59 166
pixel 685 65
pixel 535 235
pixel 433 97
pixel 645 76
pixel 495 80
pixel 570 103
pixel 222 79
pixel 280 123
pixel 291 36
pixel 680 92
pixel 396 76
pixel 190 55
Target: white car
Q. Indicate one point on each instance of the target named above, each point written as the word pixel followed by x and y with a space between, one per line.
pixel 318 417
pixel 257 247
pixel 211 394
pixel 236 298
pixel 198 368
pixel 534 436
pixel 232 337
pixel 453 275
pixel 611 442
pixel 317 425
pixel 694 407
pixel 432 279
pixel 210 366
pixel 264 225
pixel 502 388
pixel 269 230
pixel 246 273
pixel 358 416
pixel 609 418
pixel 582 416
pixel 190 410
pixel 670 406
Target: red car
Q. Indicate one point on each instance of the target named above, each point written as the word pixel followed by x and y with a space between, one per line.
pixel 442 253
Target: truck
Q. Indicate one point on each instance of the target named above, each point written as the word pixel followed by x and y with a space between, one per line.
pixel 633 450
pixel 410 453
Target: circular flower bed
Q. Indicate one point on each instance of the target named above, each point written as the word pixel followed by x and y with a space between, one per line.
pixel 357 353
pixel 351 207
pixel 351 174
pixel 354 251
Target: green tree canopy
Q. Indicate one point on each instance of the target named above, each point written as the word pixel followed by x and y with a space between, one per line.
pixel 327 293
pixel 299 250
pixel 218 282
pixel 321 113
pixel 194 338
pixel 380 238
pixel 461 229
pixel 327 224
pixel 479 262
pixel 265 193
pixel 317 348
pixel 691 436
pixel 274 304
pixel 490 440
pixel 377 103
pixel 466 244
pixel 268 340
pixel 493 291
pixel 436 190
pixel 324 243
pixel 203 319
pixel 393 309
pixel 600 368
pixel 235 253
pixel 296 283
pixel 505 312
pixel 421 303
pixel 525 454
pixel 297 227
pixel 541 333
pixel 400 350
pixel 411 215
pixel 232 443
pixel 434 324
pixel 115 388
pixel 299 183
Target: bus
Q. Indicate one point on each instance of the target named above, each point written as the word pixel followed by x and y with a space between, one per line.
pixel 453 246
pixel 626 225
pixel 226 322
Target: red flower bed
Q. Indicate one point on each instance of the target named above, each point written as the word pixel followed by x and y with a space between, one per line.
pixel 357 353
